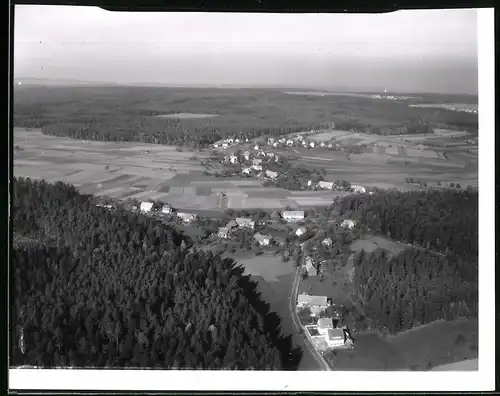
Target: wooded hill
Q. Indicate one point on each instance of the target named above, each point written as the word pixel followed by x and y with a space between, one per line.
pixel 118 289
pixel 419 285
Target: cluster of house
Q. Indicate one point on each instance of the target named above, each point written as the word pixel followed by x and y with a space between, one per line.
pixel 297 141
pixel 149 207
pixel 257 160
pixel 247 223
pixel 327 185
pixel 325 328
pixel 225 143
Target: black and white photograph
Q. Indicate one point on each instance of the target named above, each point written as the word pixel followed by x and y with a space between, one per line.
pixel 251 201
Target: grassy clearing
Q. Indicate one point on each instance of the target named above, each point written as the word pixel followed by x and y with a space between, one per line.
pixel 423 348
pixel 269 266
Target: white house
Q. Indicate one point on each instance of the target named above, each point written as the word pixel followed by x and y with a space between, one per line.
pixel 299 137
pixel 256 147
pixel 357 188
pixel 325 185
pixel 282 140
pixel 223 232
pixel 270 141
pixel 325 324
pixel 270 155
pixel 322 144
pixel 348 223
pixel 300 231
pixel 186 217
pixel 257 161
pixel 327 242
pixel 263 240
pixel 293 215
pixel 245 222
pixel 335 338
pixel 309 182
pixel 289 142
pixel 276 158
pixel 146 206
pixel 246 154
pixel 224 145
pixel 275 144
pixel 233 158
pixel 231 224
pixel 257 167
pixel 216 145
pixel 310 268
pixel 166 209
pixel 271 174
pixel 246 171
pixel 330 145
pixel 312 144
pixel 306 300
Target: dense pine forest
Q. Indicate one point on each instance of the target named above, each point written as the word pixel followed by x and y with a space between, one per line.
pixel 437 278
pixel 99 288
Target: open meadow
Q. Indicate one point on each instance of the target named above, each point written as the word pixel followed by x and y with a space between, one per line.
pixel 274 278
pixel 423 348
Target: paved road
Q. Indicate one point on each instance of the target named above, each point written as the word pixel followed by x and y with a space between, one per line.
pixel 323 365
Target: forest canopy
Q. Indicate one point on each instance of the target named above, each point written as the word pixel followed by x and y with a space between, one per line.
pixel 436 278
pixel 143 114
pixel 98 288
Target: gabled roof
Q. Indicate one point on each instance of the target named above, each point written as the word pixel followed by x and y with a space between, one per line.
pixel 325 184
pixel 186 215
pixel 244 221
pixel 312 300
pixel 231 224
pixel 260 238
pixel 223 230
pixel 146 206
pixel 325 323
pixel 293 213
pixel 336 334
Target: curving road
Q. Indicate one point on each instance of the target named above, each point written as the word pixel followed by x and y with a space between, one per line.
pixel 293 312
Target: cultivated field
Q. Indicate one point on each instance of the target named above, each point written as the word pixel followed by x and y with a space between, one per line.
pixel 422 348
pixel 147 171
pixel 386 161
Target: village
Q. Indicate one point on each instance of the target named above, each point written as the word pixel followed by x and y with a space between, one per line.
pixel 275 168
pixel 319 317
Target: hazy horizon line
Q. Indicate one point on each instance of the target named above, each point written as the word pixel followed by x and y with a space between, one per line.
pixel 76 82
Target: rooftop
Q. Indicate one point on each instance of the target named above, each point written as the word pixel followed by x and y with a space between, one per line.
pixel 336 334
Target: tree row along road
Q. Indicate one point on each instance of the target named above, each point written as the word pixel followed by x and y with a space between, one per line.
pixel 293 312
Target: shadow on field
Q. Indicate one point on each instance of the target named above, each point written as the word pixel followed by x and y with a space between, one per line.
pixel 290 356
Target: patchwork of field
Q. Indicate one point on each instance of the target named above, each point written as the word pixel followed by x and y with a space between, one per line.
pixel 144 172
pixel 432 345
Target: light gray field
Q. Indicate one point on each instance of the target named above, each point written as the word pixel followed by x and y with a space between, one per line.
pixel 145 171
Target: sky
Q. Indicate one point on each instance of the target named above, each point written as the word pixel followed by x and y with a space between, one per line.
pixel 403 51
